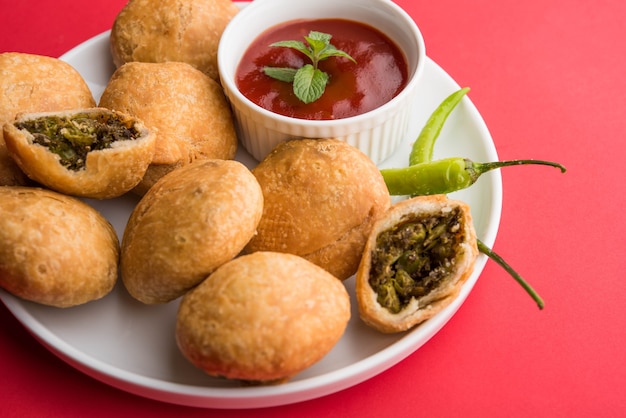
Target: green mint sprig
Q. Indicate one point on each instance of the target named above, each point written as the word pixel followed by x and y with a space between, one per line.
pixel 309 82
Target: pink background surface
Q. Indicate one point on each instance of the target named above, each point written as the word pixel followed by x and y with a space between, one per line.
pixel 548 77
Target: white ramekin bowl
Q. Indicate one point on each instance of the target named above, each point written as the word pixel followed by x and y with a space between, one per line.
pixel 377 133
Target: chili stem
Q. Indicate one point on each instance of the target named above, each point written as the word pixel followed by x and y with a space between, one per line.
pixel 481 168
pixel 495 257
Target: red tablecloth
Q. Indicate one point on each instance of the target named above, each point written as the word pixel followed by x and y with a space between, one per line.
pixel 548 78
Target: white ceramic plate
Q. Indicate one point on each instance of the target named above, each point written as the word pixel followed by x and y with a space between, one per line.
pixel 131 346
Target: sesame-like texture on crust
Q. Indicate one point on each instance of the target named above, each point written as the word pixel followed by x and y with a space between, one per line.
pixel 419 309
pixel 190 222
pixel 35 83
pixel 108 173
pixel 262 318
pixel 55 249
pixel 171 30
pixel 186 109
pixel 322 197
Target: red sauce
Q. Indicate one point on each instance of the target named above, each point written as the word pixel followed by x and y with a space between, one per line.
pixel 380 72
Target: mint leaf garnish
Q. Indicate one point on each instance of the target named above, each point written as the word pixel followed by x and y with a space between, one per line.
pixel 309 82
pixel 300 46
pixel 283 74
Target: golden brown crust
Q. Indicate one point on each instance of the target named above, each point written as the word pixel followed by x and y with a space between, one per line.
pixel 10 173
pixel 189 223
pixel 187 110
pixel 153 174
pixel 322 197
pixel 35 83
pixel 262 317
pixel 54 249
pixel 425 307
pixel 107 173
pixel 171 30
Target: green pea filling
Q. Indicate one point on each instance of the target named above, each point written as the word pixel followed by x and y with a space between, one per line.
pixel 73 137
pixel 412 258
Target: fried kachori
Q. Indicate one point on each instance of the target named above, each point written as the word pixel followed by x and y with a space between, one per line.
pixel 54 249
pixel 35 83
pixel 190 222
pixel 416 259
pixel 171 30
pixel 95 153
pixel 184 107
pixel 262 318
pixel 322 197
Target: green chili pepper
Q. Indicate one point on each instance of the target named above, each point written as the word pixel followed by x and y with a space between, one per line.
pixel 444 176
pixel 424 177
pixel 495 257
pixel 422 150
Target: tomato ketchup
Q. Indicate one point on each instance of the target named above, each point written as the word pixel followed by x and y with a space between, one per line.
pixel 379 74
